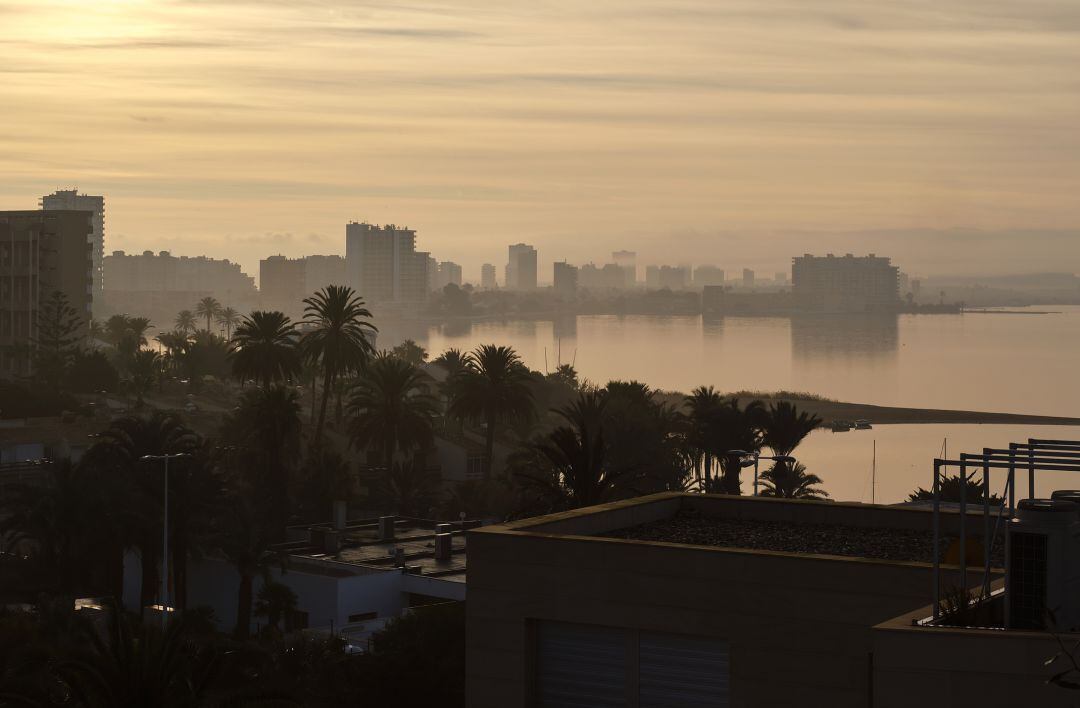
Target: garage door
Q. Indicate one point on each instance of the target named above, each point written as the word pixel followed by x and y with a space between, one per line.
pixel 590 665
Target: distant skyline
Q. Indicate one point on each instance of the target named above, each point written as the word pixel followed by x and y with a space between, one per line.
pixel 939 133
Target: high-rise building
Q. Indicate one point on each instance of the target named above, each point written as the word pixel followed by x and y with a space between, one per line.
pixel 608 276
pixel 70 199
pixel 282 283
pixel 487 277
pixel 847 284
pixel 447 273
pixel 747 278
pixel 41 252
pixel 780 278
pixel 383 265
pixel 670 277
pixel 521 268
pixel 707 275
pixel 159 285
pixel 320 271
pixel 565 278
pixel 627 260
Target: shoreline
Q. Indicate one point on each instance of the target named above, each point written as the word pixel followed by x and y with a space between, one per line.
pixel 830 411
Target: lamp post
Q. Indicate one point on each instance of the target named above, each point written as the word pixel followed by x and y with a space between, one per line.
pixel 756 456
pixel 165 532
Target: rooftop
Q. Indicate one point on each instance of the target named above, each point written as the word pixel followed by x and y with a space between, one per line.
pixel 785 536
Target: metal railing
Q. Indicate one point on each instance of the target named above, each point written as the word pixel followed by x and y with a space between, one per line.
pixel 1034 456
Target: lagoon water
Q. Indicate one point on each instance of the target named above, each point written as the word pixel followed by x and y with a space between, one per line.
pixel 1002 362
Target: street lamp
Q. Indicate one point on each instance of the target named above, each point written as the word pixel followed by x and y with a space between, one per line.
pixel 165 532
pixel 754 457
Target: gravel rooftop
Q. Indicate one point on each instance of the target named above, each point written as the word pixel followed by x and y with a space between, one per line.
pixel 789 537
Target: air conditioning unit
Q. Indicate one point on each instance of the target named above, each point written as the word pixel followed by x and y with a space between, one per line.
pixel 1043 565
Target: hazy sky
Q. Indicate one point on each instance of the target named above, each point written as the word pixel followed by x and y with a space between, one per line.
pixel 241 129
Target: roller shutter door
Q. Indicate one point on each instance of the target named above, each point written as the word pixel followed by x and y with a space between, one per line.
pixel 579 666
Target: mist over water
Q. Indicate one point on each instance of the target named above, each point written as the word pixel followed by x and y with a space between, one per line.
pixel 988 362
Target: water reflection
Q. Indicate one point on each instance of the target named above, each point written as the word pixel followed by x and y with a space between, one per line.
pixel 844 336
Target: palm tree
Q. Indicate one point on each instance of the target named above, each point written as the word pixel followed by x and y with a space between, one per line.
pixel 245 538
pixel 145 368
pixel 783 427
pixel 452 361
pixel 265 433
pixel 725 428
pixel 577 455
pixel 702 404
pixel 264 349
pixel 228 318
pixel 338 340
pixel 408 489
pixel 185 322
pixel 57 520
pixel 492 388
pixel 118 454
pixel 391 408
pixel 783 480
pixel 209 308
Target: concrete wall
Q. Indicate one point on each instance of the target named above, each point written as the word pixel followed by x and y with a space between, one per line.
pixel 938 666
pixel 799 626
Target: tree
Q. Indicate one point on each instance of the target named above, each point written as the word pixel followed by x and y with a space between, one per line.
pixel 90 372
pixel 185 322
pixel 58 338
pixel 725 428
pixel 118 458
pixel 265 349
pixel 791 482
pixel 338 338
pixel 452 361
pixel 228 318
pixel 645 438
pixel 578 472
pixel 275 602
pixel 702 405
pixel 391 408
pixel 783 427
pixel 949 491
pixel 245 537
pixel 127 336
pixel 144 370
pixel 209 308
pixel 493 388
pixel 264 433
pixel 411 352
pixel 408 488
pixel 57 520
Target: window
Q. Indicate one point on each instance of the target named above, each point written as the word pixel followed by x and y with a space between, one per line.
pixel 591 665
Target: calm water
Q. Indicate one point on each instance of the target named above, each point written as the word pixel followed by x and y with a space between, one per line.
pixel 991 362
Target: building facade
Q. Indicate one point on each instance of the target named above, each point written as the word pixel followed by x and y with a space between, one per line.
pixel 320 271
pixel 521 267
pixel 487 277
pixel 845 284
pixel 446 273
pixel 706 275
pixel 71 200
pixel 383 265
pixel 747 278
pixel 669 277
pixel 565 278
pixel 627 261
pixel 282 284
pixel 41 252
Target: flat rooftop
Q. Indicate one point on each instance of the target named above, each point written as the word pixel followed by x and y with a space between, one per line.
pixel 359 545
pixel 834 539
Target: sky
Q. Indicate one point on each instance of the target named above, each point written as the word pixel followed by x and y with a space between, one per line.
pixel 735 132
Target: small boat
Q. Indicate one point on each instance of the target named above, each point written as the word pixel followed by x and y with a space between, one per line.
pixel 863 425
pixel 840 426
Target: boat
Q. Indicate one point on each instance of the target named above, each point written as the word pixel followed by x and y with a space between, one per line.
pixel 863 425
pixel 840 426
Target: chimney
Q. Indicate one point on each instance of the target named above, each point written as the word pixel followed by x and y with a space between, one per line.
pixel 444 543
pixel 340 509
pixel 386 528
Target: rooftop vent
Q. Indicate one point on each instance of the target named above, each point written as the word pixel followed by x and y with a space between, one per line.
pixel 443 546
pixel 1043 570
pixel 386 528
